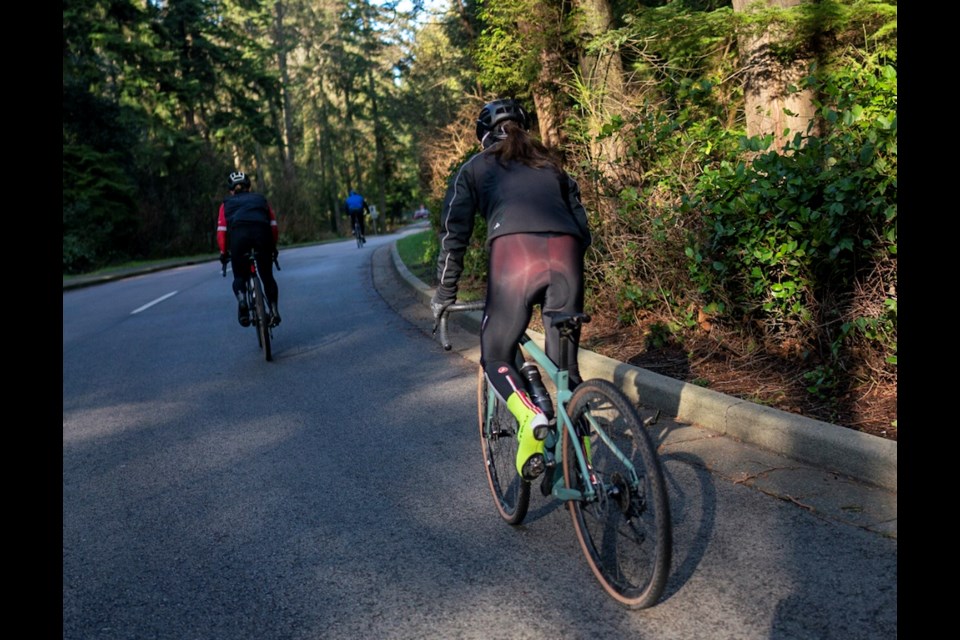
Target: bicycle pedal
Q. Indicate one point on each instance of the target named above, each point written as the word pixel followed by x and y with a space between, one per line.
pixel 533 468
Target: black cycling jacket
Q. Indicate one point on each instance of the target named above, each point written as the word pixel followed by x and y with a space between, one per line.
pixel 247 208
pixel 513 198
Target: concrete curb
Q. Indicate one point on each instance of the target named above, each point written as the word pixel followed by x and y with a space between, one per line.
pixel 827 446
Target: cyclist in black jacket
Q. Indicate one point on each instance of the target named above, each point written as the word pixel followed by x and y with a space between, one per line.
pixel 537 236
pixel 246 220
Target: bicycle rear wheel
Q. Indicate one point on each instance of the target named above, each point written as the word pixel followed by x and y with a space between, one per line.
pixel 498 437
pixel 252 306
pixel 625 533
pixel 356 232
pixel 263 323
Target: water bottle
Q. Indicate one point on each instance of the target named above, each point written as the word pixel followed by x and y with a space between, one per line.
pixel 538 392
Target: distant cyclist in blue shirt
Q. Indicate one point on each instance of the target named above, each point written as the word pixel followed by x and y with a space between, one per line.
pixel 357 207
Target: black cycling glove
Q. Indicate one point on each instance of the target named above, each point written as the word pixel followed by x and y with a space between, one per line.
pixel 442 298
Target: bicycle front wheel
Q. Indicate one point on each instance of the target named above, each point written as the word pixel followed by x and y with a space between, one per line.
pixel 498 437
pixel 624 530
pixel 263 323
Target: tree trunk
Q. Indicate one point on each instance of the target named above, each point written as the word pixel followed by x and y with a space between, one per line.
pixel 353 182
pixel 602 76
pixel 287 116
pixel 380 161
pixel 770 108
pixel 538 31
pixel 327 171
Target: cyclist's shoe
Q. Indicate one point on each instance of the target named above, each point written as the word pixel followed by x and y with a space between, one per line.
pixel 243 312
pixel 533 430
pixel 274 315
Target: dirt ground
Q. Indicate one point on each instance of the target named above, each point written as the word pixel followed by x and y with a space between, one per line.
pixel 761 379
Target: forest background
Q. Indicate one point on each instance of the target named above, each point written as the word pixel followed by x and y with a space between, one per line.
pixel 738 159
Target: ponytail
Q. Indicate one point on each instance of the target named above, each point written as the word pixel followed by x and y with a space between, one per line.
pixel 515 144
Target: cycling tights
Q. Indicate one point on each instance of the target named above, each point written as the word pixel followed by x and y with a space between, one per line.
pixel 242 238
pixel 526 270
pixel 356 215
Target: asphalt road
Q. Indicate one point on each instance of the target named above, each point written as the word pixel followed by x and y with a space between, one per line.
pixel 337 492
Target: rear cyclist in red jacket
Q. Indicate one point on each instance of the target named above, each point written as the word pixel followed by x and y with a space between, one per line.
pixel 246 221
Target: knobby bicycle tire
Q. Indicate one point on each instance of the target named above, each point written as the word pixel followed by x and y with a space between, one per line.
pixel 625 533
pixel 498 438
pixel 263 323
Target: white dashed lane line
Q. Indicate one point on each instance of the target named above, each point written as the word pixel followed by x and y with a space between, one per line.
pixel 150 304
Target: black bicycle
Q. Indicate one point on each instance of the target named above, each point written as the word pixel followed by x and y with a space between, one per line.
pixel 257 305
pixel 357 234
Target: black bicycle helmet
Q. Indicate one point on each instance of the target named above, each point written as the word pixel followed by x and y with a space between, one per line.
pixel 238 177
pixel 493 113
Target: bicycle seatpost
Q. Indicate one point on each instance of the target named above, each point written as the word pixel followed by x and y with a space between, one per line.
pixel 567 325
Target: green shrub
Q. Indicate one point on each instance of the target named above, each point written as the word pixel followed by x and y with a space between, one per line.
pixel 801 240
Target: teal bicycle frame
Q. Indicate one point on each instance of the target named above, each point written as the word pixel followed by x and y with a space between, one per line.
pixel 608 490
pixel 560 377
